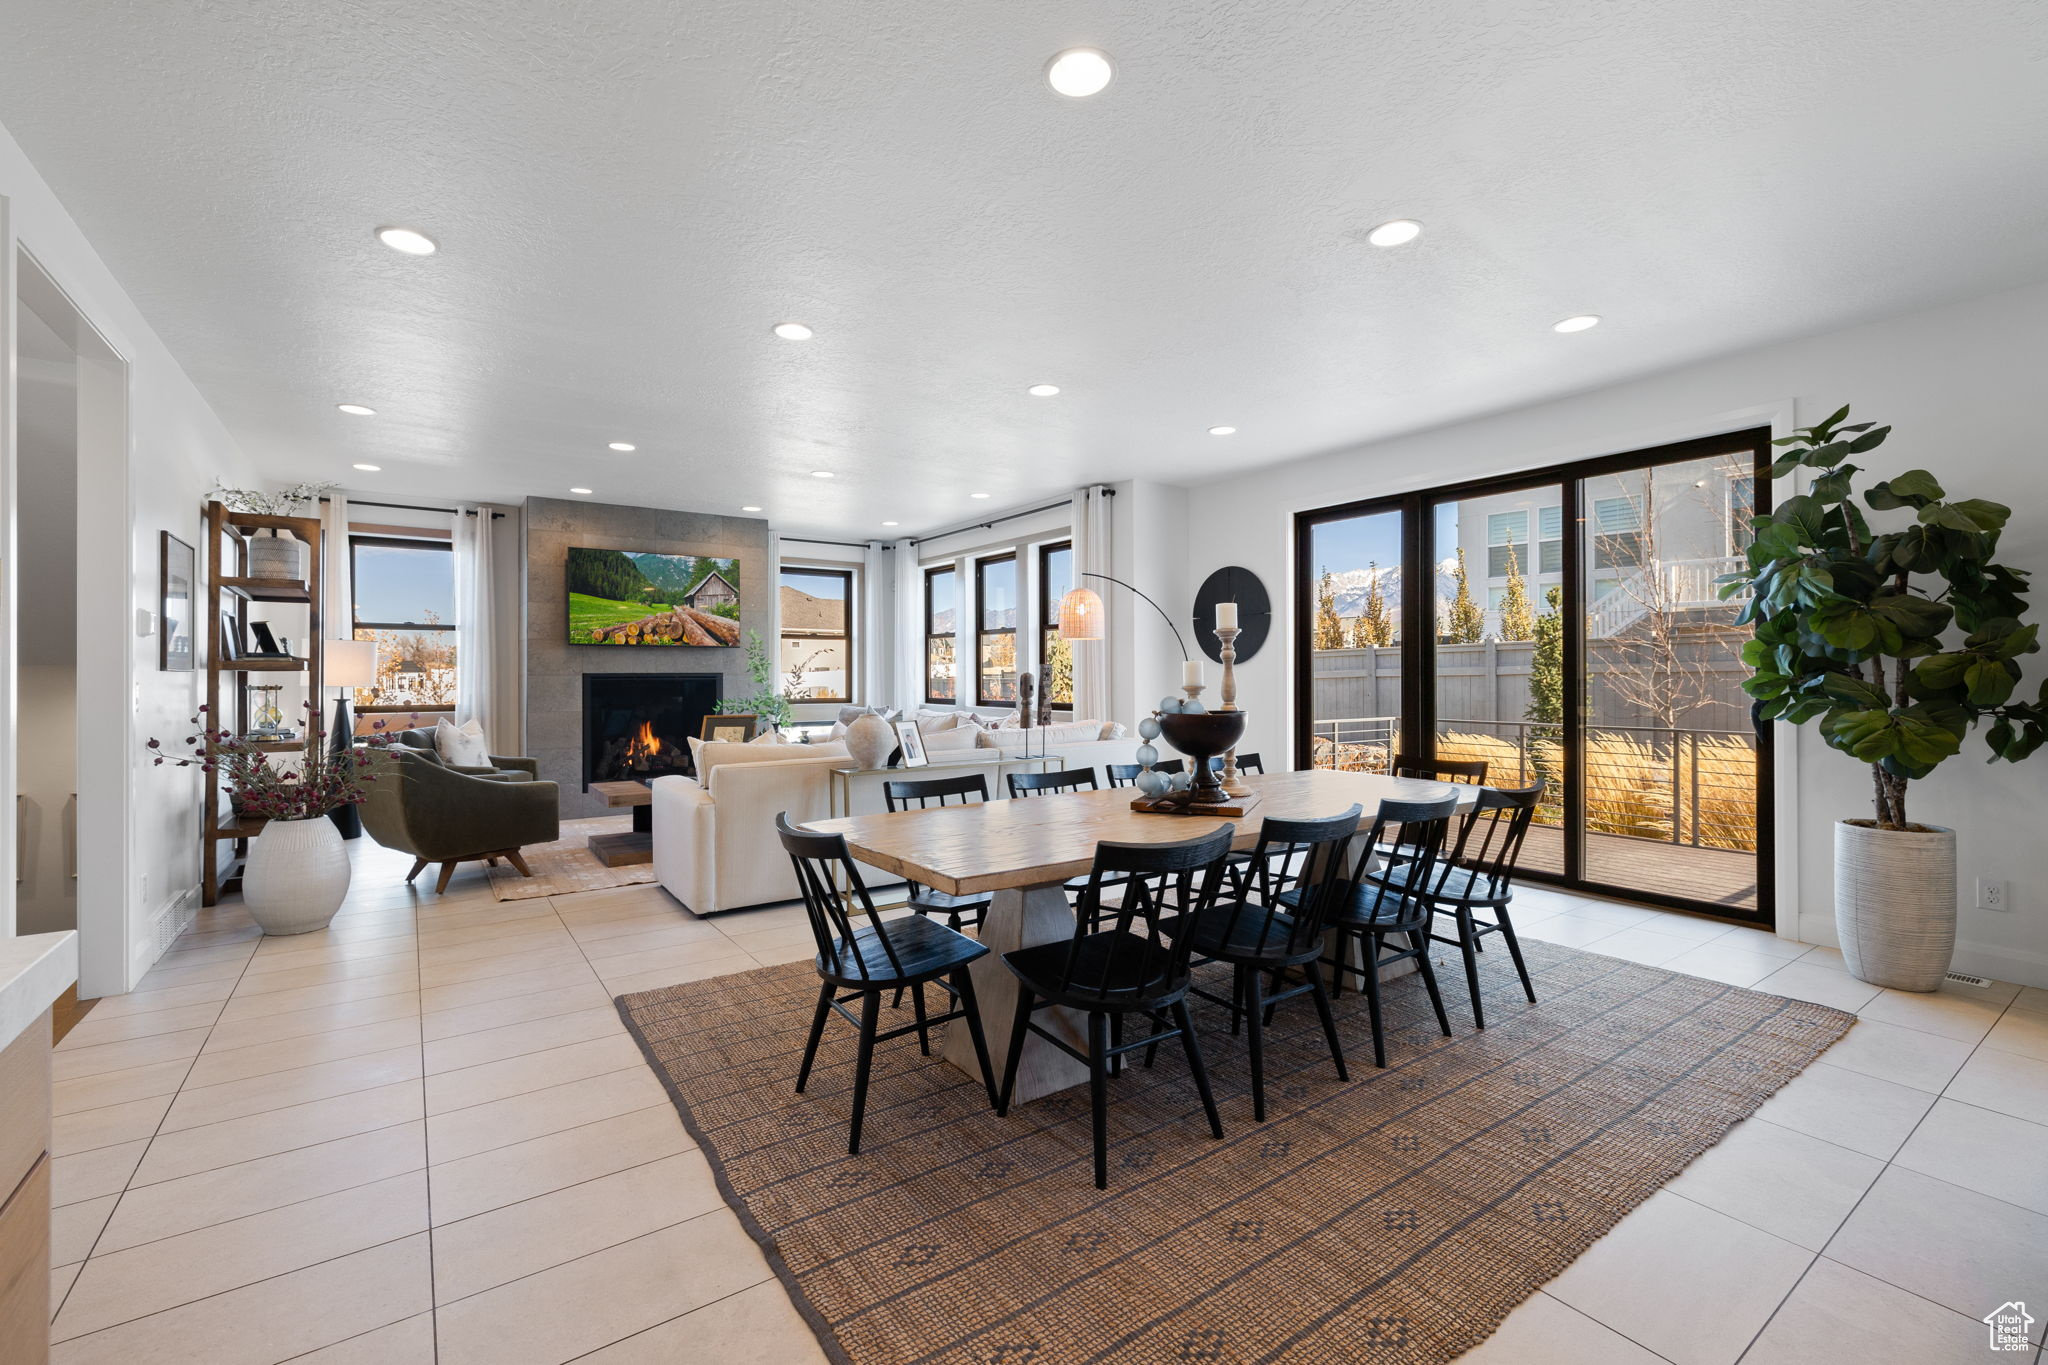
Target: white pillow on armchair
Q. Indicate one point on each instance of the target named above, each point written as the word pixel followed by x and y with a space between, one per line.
pixel 463 748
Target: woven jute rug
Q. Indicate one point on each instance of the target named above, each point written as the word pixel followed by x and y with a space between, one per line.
pixel 1397 1218
pixel 567 865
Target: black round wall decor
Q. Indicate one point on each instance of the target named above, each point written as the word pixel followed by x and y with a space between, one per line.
pixel 1254 611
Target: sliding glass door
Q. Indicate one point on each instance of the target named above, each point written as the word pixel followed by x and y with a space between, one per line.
pixel 1561 625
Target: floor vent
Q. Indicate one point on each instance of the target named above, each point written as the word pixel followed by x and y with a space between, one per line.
pixel 1965 979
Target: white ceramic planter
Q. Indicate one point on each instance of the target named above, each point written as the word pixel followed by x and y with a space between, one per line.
pixel 297 875
pixel 1895 904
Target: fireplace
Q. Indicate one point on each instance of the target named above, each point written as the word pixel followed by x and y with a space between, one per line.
pixel 639 725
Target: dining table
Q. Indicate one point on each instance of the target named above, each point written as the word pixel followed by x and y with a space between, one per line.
pixel 1022 852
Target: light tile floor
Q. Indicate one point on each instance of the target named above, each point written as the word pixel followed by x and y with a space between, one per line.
pixel 423 1135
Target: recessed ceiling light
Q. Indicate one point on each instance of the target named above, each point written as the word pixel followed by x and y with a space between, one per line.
pixel 1396 233
pixel 356 409
pixel 888 523
pixel 584 491
pixel 1079 72
pixel 370 468
pixel 1577 324
pixel 1043 390
pixel 624 446
pixel 750 509
pixel 1223 431
pixel 977 495
pixel 793 331
pixel 821 473
pixel 405 239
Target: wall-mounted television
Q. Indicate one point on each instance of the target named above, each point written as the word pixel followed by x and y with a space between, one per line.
pixel 628 597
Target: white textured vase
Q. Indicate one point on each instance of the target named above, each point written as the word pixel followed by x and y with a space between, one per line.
pixel 870 740
pixel 297 875
pixel 1895 904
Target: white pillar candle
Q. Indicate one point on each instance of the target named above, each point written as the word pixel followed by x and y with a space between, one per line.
pixel 1191 673
pixel 1226 616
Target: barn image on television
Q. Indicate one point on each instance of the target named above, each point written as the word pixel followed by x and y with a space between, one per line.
pixel 624 597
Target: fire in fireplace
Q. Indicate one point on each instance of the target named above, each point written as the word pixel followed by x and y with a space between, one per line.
pixel 638 725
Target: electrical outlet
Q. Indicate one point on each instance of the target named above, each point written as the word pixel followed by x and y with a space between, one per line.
pixel 1990 894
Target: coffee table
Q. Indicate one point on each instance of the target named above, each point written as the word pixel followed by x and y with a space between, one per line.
pixel 636 846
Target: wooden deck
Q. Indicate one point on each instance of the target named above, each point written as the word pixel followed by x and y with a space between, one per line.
pixel 1715 875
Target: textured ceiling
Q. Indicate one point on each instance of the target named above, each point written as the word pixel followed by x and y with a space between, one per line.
pixel 628 193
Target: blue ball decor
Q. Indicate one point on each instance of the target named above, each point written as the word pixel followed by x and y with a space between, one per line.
pixel 1153 783
pixel 1148 728
pixel 1180 781
pixel 1171 705
pixel 1193 707
pixel 1147 755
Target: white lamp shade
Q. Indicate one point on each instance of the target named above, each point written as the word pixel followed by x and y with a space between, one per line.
pixel 349 663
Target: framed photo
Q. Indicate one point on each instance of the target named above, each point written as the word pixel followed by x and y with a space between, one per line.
pixel 913 744
pixel 230 638
pixel 265 642
pixel 177 569
pixel 728 729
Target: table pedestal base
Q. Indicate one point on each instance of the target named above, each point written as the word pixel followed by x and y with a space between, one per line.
pixel 1021 919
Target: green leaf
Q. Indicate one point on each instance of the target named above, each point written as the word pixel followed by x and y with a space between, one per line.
pixel 1989 682
pixel 1849 688
pixel 1987 516
pixel 1870 440
pixel 1917 618
pixel 1914 488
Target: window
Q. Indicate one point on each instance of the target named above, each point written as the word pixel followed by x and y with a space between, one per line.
pixel 404 592
pixel 941 600
pixel 1055 651
pixel 1550 540
pixel 1617 533
pixel 1741 512
pixel 817 634
pixel 1507 543
pixel 995 643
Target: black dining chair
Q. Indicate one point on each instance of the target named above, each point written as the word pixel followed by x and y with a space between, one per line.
pixel 961 912
pixel 1467 770
pixel 1042 784
pixel 865 962
pixel 1260 937
pixel 1409 836
pixel 1123 774
pixel 1131 967
pixel 1478 874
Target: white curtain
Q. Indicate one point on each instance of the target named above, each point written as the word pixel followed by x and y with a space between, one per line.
pixel 1091 555
pixel 337 601
pixel 474 625
pixel 875 632
pixel 909 642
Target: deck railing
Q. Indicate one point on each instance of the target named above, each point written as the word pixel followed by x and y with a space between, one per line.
pixel 1678 785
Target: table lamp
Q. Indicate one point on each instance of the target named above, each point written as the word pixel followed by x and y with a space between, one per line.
pixel 347 664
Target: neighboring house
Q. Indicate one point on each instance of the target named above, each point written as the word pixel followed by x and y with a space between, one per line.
pixel 714 591
pixel 806 613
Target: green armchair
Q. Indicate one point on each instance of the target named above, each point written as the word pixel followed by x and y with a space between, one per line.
pixel 418 805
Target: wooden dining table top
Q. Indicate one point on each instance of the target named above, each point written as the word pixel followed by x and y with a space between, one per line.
pixel 1041 840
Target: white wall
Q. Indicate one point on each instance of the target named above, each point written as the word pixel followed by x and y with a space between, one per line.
pixel 174 447
pixel 1957 382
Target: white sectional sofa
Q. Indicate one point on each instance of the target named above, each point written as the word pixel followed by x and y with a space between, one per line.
pixel 714 834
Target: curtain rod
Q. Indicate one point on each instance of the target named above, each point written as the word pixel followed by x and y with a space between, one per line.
pixel 847 544
pixel 414 507
pixel 993 522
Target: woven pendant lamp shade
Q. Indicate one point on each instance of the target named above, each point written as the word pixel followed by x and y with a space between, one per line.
pixel 1081 615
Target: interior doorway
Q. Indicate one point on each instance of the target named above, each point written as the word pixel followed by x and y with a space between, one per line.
pixel 68 645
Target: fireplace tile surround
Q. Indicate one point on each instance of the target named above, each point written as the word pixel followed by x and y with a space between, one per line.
pixel 556 669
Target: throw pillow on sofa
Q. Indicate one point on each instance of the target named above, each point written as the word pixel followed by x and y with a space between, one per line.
pixel 961 739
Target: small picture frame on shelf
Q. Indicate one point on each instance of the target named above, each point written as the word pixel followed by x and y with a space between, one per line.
pixel 914 755
pixel 264 644
pixel 230 640
pixel 728 729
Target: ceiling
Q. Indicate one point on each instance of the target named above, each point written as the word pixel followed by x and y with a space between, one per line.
pixel 628 194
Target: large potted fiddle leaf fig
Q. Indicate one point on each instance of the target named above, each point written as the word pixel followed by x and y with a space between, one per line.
pixel 1896 637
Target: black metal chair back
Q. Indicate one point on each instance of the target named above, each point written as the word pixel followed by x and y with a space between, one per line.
pixel 1307 858
pixel 1123 774
pixel 1488 846
pixel 1041 784
pixel 1250 763
pixel 1469 770
pixel 936 791
pixel 820 861
pixel 1131 959
pixel 1170 766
